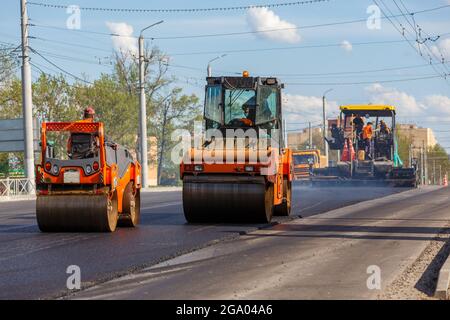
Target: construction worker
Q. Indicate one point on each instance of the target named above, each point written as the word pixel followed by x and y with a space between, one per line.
pixel 384 129
pixel 249 111
pixel 88 114
pixel 367 134
pixel 358 122
pixel 81 146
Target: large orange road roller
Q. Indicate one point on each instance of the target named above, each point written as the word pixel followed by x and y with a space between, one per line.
pixel 83 182
pixel 244 189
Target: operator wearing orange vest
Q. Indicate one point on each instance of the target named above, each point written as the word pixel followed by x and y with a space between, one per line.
pixel 88 116
pixel 248 120
pixel 367 134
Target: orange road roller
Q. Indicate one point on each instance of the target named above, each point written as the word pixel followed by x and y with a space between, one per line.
pixel 223 182
pixel 85 182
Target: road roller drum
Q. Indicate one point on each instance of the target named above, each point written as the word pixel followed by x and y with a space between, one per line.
pixel 227 199
pixel 92 213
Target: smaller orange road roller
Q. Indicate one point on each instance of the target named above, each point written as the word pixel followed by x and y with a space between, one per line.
pixel 85 182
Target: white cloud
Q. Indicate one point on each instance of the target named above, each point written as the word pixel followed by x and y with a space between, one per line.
pixel 264 19
pixel 300 108
pixel 126 44
pixel 442 49
pixel 430 108
pixel 346 45
pixel 406 104
pixel 437 105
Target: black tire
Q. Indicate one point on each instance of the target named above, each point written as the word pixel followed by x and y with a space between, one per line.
pixel 268 205
pixel 109 221
pixel 131 207
pixel 284 209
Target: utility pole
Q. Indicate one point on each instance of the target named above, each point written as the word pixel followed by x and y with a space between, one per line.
pixel 143 110
pixel 310 135
pixel 434 171
pixel 425 162
pixel 27 102
pixel 422 171
pixel 325 124
pixel 209 69
pixel 410 155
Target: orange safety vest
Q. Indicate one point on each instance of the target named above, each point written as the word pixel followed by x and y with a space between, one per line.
pixel 247 122
pixel 367 132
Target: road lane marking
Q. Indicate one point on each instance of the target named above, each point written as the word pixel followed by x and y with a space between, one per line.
pixel 176 203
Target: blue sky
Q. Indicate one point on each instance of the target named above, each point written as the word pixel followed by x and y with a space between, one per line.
pixel 425 102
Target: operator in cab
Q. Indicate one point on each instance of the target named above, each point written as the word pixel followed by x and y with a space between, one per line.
pixel 83 145
pixel 384 129
pixel 249 109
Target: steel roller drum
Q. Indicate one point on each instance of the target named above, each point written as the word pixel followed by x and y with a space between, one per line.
pixel 227 199
pixel 62 213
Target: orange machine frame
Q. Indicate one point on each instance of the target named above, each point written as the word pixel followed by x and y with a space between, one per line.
pixel 106 176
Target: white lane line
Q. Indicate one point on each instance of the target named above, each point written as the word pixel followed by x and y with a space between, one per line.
pixel 312 206
pixel 17 227
pixel 168 204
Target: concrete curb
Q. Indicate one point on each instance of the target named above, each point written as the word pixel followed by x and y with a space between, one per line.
pixel 443 283
pixel 17 198
pixel 161 189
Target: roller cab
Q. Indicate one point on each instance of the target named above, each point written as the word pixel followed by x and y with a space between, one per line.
pixel 84 182
pixel 241 171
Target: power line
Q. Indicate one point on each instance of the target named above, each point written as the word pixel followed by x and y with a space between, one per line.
pixel 59 68
pixel 231 33
pixel 178 10
pixel 402 33
pixel 285 48
pixel 71 58
pixel 418 34
pixel 363 82
pixel 71 44
pixel 353 72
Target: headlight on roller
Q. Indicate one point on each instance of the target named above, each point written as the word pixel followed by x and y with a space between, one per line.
pixel 198 167
pixel 249 168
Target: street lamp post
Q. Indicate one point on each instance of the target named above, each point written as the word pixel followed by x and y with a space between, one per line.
pixel 143 109
pixel 209 69
pixel 324 123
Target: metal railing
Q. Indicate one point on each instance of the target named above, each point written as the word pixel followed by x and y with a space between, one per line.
pixel 16 187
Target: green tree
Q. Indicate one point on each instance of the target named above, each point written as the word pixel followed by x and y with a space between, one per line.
pixel 10 98
pixel 115 107
pixel 172 111
pixel 438 163
pixel 404 143
pixel 115 98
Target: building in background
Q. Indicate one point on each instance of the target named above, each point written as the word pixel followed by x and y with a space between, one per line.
pixel 152 178
pixel 300 139
pixel 419 137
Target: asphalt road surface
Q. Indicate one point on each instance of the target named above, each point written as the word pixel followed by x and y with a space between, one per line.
pixel 333 255
pixel 33 264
